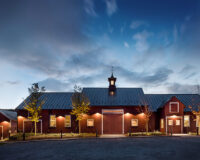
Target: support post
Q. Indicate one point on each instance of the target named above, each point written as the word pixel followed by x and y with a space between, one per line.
pixel 61 134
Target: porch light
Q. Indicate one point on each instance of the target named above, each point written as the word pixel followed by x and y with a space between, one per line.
pixel 127 114
pixel 19 117
pixel 5 122
pixel 97 114
pixel 142 114
pixel 60 117
pixel 174 116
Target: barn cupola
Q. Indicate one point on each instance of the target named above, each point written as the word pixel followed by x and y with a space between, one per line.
pixel 112 87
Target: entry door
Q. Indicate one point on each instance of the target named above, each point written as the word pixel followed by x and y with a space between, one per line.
pixel 112 124
pixel 174 125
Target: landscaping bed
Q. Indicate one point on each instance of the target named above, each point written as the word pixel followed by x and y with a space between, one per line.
pixel 31 136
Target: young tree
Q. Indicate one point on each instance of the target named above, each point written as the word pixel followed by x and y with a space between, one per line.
pixel 196 110
pixel 34 103
pixel 147 111
pixel 80 104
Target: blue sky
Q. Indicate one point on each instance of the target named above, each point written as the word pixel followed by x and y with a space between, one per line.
pixel 152 44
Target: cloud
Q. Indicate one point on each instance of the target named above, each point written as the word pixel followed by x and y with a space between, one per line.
pixel 13 82
pixel 141 44
pixel 89 8
pixel 182 88
pixel 41 38
pixel 111 7
pixel 158 76
pixel 137 24
pixel 126 45
pixel 52 84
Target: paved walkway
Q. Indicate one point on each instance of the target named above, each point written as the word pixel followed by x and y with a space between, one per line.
pixel 112 136
pixel 152 148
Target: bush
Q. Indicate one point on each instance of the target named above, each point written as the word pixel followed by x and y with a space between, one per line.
pixel 156 133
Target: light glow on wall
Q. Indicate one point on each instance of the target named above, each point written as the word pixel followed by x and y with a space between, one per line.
pixel 97 114
pixel 60 117
pixel 174 116
pixel 19 117
pixel 127 114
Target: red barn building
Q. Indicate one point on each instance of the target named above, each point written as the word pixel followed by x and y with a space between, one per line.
pixel 8 122
pixel 115 111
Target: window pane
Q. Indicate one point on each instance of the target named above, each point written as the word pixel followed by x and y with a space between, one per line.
pixel 67 121
pixel 162 123
pixel 134 122
pixel 52 120
pixel 90 122
pixel 170 122
pixel 178 122
pixel 198 121
pixel 186 121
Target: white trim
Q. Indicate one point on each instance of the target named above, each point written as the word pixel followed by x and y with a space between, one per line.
pixel 170 103
pixel 101 121
pixel 32 121
pixel 2 133
pixel 176 117
pixel 119 111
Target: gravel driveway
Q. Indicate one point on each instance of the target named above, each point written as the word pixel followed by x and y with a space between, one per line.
pixel 173 148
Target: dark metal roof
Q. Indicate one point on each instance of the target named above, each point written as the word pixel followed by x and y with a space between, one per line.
pixel 158 100
pixel 11 115
pixel 122 97
pixel 54 100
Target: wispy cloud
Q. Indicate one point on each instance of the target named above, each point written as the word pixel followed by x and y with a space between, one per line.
pixel 111 7
pixel 137 24
pixel 90 8
pixel 126 44
pixel 13 82
pixel 142 44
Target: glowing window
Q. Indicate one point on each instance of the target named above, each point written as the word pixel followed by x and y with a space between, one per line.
pixel 67 121
pixel 170 122
pixel 186 121
pixel 198 121
pixel 134 122
pixel 52 120
pixel 178 122
pixel 90 122
pixel 112 82
pixel 162 123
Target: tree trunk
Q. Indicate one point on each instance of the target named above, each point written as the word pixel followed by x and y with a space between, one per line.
pixel 147 126
pixel 35 128
pixel 79 126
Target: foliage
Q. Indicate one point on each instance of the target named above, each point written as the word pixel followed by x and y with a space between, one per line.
pixel 80 104
pixel 35 103
pixel 156 133
pixel 147 110
pixel 196 110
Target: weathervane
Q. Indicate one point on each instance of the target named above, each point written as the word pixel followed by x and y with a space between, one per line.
pixel 112 69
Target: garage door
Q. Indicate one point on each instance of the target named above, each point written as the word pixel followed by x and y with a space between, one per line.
pixel 112 121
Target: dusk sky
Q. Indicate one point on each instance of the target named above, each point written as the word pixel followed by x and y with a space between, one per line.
pixel 153 44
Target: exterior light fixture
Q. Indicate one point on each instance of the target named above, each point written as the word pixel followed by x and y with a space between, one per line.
pixel 97 114
pixel 60 117
pixel 127 114
pixel 174 116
